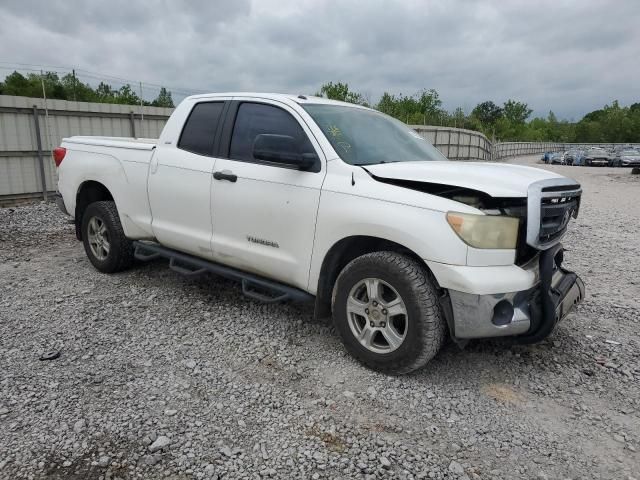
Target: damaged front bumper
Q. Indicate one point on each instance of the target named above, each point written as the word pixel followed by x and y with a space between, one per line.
pixel 531 314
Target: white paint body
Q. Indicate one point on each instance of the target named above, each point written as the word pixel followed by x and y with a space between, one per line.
pixel 168 195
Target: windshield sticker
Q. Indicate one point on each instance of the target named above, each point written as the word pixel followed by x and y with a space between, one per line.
pixel 344 146
pixel 334 131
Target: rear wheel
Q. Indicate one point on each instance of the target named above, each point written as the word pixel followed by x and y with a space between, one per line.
pixel 387 312
pixel 104 241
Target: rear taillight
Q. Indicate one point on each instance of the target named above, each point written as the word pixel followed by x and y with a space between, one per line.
pixel 58 155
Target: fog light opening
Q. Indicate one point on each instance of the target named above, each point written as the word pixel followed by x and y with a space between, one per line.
pixel 502 313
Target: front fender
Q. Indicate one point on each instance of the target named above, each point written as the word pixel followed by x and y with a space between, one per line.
pixel 425 232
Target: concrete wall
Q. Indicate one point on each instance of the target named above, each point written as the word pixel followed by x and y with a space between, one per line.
pixel 502 150
pixel 457 143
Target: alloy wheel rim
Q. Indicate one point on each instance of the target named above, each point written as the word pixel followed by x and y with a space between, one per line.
pixel 377 315
pixel 98 237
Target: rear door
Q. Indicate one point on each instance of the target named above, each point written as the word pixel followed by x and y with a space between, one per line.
pixel 179 184
pixel 264 215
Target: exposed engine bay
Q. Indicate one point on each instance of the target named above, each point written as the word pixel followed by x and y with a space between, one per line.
pixel 512 207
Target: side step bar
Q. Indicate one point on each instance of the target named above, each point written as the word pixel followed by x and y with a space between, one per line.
pixel 253 286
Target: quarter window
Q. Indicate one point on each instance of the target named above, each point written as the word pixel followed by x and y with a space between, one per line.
pixel 199 132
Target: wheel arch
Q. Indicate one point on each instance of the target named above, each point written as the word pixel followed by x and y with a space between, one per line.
pixel 89 191
pixel 344 251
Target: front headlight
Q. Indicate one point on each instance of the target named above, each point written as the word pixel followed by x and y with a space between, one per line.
pixel 485 231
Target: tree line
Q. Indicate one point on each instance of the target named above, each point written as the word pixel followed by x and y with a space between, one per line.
pixel 69 87
pixel 507 122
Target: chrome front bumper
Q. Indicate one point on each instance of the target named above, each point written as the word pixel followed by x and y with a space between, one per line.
pixel 631 163
pixel 530 314
pixel 599 162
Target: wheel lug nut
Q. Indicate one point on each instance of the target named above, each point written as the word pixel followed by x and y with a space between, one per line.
pixel 366 310
pixel 375 304
pixel 372 324
pixel 384 311
pixel 383 324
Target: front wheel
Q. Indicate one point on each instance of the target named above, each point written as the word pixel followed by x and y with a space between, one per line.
pixel 387 312
pixel 108 249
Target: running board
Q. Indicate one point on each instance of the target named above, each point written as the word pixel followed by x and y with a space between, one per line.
pixel 254 287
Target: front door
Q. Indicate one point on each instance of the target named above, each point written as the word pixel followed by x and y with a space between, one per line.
pixel 264 214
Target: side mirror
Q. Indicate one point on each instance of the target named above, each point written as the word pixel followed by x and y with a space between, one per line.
pixel 282 149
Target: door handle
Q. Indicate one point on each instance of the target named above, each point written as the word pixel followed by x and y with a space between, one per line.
pixel 225 175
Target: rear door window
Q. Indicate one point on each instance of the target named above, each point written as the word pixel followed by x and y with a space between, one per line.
pixel 199 132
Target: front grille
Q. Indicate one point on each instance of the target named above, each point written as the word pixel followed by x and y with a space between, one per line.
pixel 555 213
pixel 550 205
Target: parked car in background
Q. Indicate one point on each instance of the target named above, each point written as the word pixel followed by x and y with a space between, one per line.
pixel 556 157
pixel 596 156
pixel 571 155
pixel 546 156
pixel 626 158
pixel 579 158
pixel 619 148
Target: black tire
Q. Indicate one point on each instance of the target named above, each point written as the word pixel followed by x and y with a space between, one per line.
pixel 120 255
pixel 425 323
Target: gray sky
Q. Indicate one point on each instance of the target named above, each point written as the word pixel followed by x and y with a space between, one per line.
pixel 569 56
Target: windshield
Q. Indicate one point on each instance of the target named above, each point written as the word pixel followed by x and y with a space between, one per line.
pixel 366 137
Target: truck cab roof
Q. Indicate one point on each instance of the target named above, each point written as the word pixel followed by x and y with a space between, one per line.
pixel 300 99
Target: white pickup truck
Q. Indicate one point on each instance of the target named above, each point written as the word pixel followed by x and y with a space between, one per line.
pixel 302 197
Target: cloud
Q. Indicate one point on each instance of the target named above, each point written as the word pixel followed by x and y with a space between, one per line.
pixel 571 56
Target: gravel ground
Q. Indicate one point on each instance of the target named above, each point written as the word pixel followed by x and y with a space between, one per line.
pixel 165 377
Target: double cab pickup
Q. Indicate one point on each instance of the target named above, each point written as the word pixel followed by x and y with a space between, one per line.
pixel 307 199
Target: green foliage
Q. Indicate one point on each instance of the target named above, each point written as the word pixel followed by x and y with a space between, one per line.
pixel 487 113
pixel 618 123
pixel 163 99
pixel 423 108
pixel 340 91
pixel 70 88
pixel 516 112
pixel 612 123
pixel 510 122
pixel 77 90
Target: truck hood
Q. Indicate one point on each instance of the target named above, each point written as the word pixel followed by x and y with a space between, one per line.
pixel 495 179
